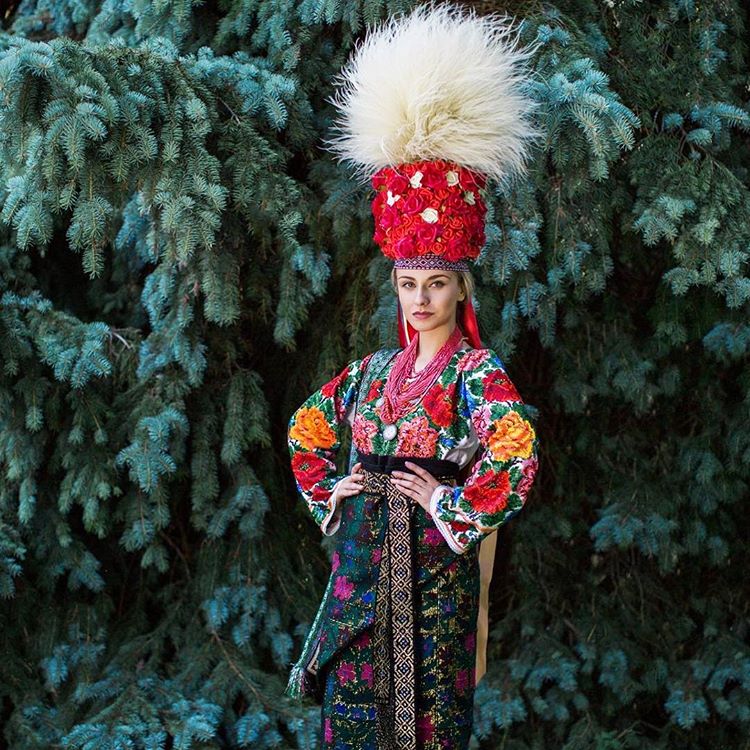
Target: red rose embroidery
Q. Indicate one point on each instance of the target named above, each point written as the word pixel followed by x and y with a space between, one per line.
pixel 309 469
pixel 439 404
pixel 330 388
pixel 489 492
pixel 497 387
pixel 374 389
pixel 320 494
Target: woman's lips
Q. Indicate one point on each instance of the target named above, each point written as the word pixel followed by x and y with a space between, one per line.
pixel 422 315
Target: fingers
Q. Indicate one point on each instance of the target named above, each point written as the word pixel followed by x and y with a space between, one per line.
pixel 349 490
pixel 417 469
pixel 352 485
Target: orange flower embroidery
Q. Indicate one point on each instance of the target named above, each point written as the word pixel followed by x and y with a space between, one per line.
pixel 311 430
pixel 513 436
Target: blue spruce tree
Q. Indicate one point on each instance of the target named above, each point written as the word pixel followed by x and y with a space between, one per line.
pixel 181 263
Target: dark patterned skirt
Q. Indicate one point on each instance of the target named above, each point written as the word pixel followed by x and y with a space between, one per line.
pixel 405 682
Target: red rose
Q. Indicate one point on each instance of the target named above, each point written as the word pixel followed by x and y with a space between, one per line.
pixel 489 492
pixel 404 248
pixel 454 249
pixel 433 178
pixel 398 184
pixel 308 469
pixel 497 387
pixel 438 403
pixel 471 179
pixel 329 389
pixel 456 205
pixel 413 203
pixel 428 233
pixel 374 389
pixel 389 217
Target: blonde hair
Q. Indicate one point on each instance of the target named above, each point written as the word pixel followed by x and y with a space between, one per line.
pixel 465 282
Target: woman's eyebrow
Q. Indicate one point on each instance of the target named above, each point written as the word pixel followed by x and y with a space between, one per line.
pixel 434 276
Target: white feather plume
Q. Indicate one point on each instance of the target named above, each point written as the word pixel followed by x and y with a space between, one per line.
pixel 439 83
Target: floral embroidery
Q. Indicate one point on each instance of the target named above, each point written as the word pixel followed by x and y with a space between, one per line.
pixel 367 674
pixel 417 438
pixel 472 359
pixel 462 680
pixel 346 672
pixel 375 388
pixel 308 468
pixel 472 400
pixel 425 728
pixel 363 433
pixel 513 436
pixel 343 588
pixel 489 492
pixel 439 404
pixel 312 430
pixel 497 387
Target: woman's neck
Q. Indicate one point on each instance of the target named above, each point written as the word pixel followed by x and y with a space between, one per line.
pixel 430 343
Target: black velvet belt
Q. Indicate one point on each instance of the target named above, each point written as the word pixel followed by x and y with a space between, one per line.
pixel 385 464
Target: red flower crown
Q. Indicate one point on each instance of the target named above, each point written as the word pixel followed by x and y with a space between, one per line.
pixel 430 207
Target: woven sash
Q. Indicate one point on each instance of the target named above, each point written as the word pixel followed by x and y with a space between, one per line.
pixel 395 615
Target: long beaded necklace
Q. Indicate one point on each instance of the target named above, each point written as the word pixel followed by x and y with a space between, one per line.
pixel 404 387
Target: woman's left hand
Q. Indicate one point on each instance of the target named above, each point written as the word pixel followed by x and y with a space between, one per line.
pixel 418 485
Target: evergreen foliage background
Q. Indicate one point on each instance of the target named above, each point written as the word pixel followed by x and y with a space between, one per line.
pixel 182 264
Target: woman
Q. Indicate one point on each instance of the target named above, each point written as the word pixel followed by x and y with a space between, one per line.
pixel 435 439
pixel 392 654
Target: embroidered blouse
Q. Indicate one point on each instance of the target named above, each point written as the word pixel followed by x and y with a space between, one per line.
pixel 472 404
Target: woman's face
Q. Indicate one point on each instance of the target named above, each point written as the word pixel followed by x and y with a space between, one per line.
pixel 428 290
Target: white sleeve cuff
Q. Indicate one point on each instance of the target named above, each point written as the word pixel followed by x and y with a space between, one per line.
pixel 443 527
pixel 330 524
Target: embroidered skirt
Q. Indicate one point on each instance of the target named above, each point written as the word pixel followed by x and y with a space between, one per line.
pixel 402 678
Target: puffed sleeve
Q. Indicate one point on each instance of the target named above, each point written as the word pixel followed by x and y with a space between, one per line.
pixel 314 439
pixel 499 482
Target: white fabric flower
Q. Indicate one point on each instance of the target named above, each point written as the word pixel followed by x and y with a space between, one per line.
pixel 391 199
pixel 430 215
pixel 416 180
pixel 469 197
pixel 451 178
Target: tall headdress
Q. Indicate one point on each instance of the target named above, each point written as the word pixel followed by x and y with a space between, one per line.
pixel 431 105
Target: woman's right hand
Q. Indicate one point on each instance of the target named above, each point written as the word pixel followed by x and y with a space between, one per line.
pixel 352 484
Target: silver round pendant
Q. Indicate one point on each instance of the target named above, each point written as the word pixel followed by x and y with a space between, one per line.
pixel 390 432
